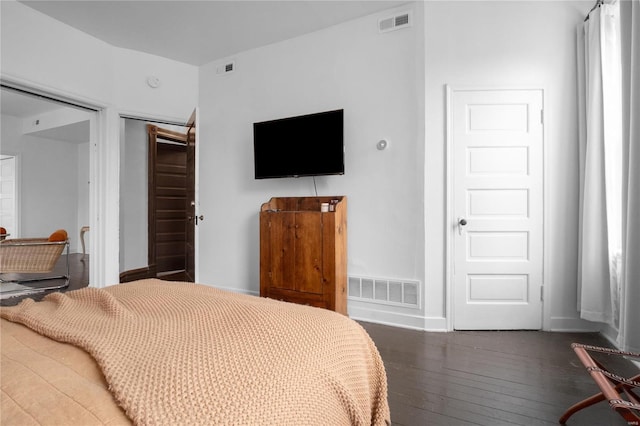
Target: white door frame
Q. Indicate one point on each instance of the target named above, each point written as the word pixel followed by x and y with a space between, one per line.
pixel 451 223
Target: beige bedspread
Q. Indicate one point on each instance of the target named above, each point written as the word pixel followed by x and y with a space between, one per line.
pixel 181 353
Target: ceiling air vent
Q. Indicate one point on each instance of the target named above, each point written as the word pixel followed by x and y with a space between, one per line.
pixel 395 22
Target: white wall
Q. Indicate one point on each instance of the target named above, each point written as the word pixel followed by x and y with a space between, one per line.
pixel 48 176
pixel 49 54
pixel 174 100
pixel 46 52
pixel 511 44
pixel 396 197
pixel 376 79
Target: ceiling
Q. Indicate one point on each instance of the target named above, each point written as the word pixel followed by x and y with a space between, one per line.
pixel 198 32
pixel 24 106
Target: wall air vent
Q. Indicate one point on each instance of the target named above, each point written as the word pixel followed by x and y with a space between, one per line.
pixel 395 22
pixel 385 291
pixel 226 68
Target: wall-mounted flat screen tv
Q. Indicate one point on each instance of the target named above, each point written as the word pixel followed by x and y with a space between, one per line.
pixel 305 145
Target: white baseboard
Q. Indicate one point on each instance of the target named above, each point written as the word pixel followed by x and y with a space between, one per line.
pixel 570 324
pixel 609 333
pixel 395 319
pixel 371 314
pixel 386 318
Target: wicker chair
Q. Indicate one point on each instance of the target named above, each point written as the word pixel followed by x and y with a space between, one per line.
pixel 37 256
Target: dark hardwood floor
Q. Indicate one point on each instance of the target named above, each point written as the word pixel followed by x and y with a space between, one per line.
pixel 471 378
pixel 490 377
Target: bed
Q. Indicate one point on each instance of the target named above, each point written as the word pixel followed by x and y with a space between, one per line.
pixel 159 352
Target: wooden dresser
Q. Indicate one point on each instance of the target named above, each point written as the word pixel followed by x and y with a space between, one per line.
pixel 303 251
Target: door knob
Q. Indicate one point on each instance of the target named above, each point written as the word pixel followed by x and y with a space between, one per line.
pixel 461 223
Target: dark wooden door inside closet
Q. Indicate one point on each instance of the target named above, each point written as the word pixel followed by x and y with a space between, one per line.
pixel 168 205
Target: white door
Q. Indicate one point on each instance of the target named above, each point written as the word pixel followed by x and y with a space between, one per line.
pixel 497 149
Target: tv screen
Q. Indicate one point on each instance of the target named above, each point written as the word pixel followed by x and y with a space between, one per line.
pixel 306 145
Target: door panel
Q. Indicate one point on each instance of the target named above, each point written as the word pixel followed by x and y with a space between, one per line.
pixel 497 147
pixel 282 242
pixel 290 232
pixel 170 194
pixel 308 253
pixel 493 160
pixel 497 246
pixel 498 202
pixel 498 288
pixel 168 201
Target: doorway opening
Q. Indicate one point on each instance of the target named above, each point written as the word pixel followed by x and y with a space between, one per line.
pixel 156 235
pixel 47 177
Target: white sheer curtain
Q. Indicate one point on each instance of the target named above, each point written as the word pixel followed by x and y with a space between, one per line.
pixel 600 167
pixel 609 247
pixel 629 331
